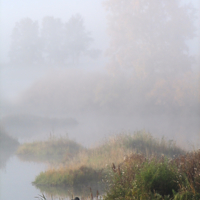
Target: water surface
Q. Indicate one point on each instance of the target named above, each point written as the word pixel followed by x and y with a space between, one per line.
pixel 16 179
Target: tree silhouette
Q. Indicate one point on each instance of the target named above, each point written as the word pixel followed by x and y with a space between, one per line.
pixel 150 36
pixel 52 36
pixel 25 43
pixel 77 40
pixel 57 43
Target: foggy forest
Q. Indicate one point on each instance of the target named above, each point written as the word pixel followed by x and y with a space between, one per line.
pixel 86 78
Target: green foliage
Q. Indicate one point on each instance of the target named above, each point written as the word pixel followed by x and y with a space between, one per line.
pixel 156 178
pixel 88 163
pixel 81 175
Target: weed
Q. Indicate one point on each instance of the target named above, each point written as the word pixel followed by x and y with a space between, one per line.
pixel 156 178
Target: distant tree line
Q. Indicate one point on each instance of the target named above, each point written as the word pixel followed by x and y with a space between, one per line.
pixel 54 42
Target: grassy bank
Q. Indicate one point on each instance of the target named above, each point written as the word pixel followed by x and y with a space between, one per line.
pixel 54 149
pixel 93 164
pixel 156 178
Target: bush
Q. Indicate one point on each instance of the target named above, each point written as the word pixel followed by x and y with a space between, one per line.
pixel 82 175
pixel 156 178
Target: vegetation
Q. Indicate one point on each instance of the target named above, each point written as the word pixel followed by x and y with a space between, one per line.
pixel 130 166
pixel 54 149
pixel 92 165
pixel 156 178
pixel 66 177
pixel 60 42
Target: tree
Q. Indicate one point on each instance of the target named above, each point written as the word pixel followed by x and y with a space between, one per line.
pixel 56 44
pixel 25 43
pixel 52 34
pixel 149 36
pixel 77 40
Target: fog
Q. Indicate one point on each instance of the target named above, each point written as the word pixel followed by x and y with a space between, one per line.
pixel 92 69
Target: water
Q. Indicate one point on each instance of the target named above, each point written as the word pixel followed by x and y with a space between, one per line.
pixel 16 183
pixel 16 179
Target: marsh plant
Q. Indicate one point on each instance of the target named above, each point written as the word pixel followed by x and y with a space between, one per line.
pixel 156 178
pixel 92 165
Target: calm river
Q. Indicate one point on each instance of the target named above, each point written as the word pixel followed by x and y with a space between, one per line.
pixel 16 178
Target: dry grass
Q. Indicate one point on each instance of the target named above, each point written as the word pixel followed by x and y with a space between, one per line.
pixel 52 150
pixel 97 160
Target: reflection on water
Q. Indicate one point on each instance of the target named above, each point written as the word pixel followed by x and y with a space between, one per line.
pixel 89 191
pixel 5 156
pixel 16 178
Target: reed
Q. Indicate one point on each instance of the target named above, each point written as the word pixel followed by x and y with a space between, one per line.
pixel 156 178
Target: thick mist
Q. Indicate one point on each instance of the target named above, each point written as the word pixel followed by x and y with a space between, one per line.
pixel 92 69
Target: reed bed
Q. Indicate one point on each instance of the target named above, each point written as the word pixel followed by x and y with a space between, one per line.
pixel 153 178
pixel 130 167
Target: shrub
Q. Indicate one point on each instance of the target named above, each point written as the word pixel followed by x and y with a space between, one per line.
pixel 156 178
pixel 82 175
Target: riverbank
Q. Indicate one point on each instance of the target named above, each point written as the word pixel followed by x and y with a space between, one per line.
pixel 129 165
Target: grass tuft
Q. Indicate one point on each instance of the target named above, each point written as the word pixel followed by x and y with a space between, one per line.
pixel 156 178
pixel 54 149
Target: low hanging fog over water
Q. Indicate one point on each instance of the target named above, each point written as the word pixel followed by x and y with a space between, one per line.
pixel 90 69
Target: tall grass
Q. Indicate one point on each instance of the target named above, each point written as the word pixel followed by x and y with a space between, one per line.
pixel 93 164
pixel 156 178
pixel 66 177
pixel 54 149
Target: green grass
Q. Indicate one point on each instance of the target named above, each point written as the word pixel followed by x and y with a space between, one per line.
pixel 156 178
pixel 66 177
pixel 54 149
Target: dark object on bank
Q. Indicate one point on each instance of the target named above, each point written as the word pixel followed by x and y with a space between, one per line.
pixel 76 198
